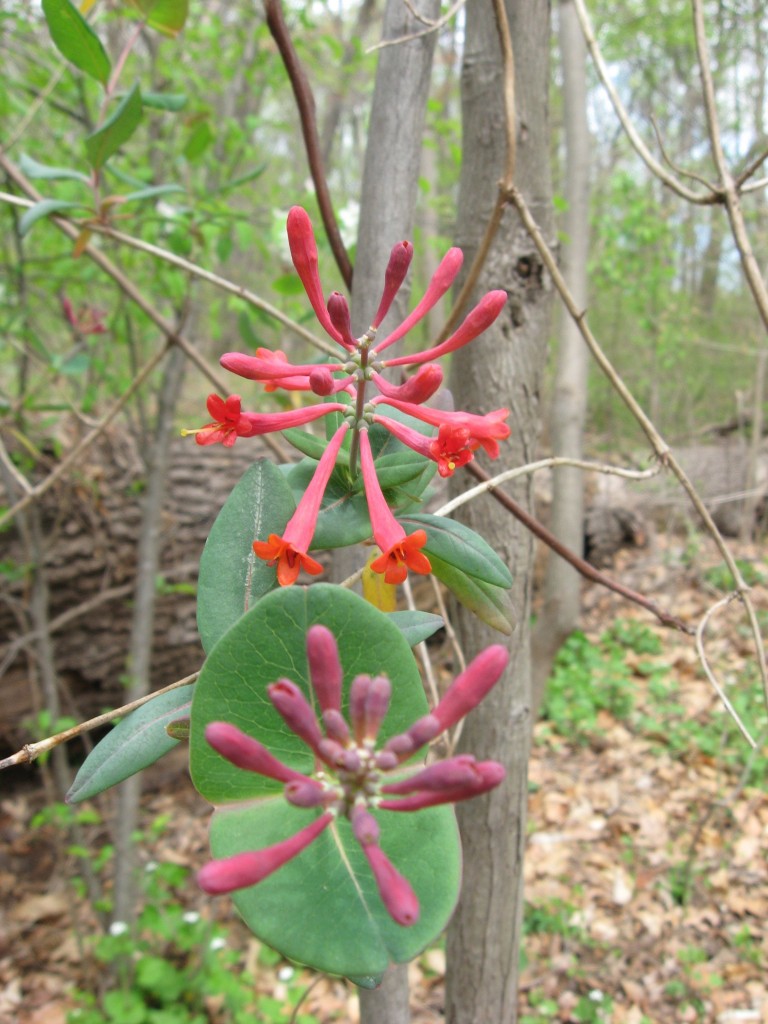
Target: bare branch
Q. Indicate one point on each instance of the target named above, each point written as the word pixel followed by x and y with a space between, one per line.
pixel 31 751
pixel 712 196
pixel 305 103
pixel 432 26
pixel 708 671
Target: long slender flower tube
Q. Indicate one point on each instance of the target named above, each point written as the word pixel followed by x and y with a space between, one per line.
pixel 400 551
pixel 289 552
pixel 359 782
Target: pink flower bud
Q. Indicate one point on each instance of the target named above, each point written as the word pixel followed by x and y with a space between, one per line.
pixel 246 869
pixel 305 793
pixel 332 752
pixel 295 710
pixel 441 281
pixel 364 826
pixel 245 752
pixel 325 669
pixel 376 705
pixel 338 311
pixel 399 261
pixel 487 775
pixel 406 743
pixel 321 381
pixel 468 689
pixel 336 727
pixel 418 388
pixel 395 890
pixel 477 320
pixel 358 694
pixel 386 760
pixel 301 241
pixel 453 773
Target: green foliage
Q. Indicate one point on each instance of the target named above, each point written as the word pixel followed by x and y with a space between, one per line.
pixel 170 966
pixel 719 576
pixel 75 39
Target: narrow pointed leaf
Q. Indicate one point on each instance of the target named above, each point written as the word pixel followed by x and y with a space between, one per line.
pixel 34 169
pixel 43 209
pixel 458 545
pixel 231 577
pixel 115 131
pixel 136 742
pixel 172 101
pixel 74 38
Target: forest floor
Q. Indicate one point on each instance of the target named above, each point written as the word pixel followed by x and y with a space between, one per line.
pixel 646 881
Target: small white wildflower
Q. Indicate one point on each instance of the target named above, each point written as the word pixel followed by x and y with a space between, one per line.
pixel 218 943
pixel 191 917
pixel 150 866
pixel 285 973
pixel 596 995
pixel 118 928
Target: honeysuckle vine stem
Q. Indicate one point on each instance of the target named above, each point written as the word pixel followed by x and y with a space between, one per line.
pixel 354 446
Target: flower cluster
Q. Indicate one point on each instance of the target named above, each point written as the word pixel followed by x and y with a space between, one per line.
pixel 459 434
pixel 353 777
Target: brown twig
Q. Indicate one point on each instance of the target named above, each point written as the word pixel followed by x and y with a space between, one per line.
pixel 584 568
pixel 31 751
pixel 305 103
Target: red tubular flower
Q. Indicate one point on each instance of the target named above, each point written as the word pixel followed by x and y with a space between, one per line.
pixel 399 262
pixel 418 388
pixel 468 689
pixel 245 752
pixel 442 279
pixel 395 890
pixel 229 422
pixel 272 369
pixel 338 311
pixel 290 550
pixel 477 320
pixel 301 241
pixel 324 667
pixel 484 430
pixel 453 447
pixel 400 551
pixel 246 869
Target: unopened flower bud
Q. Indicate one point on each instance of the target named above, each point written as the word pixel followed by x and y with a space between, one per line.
pixel 331 752
pixel 485 775
pixel 395 890
pixel 453 773
pixel 338 311
pixel 468 689
pixel 324 667
pixel 399 262
pixel 336 727
pixel 246 752
pixel 321 381
pixel 376 705
pixel 386 760
pixel 358 695
pixel 364 826
pixel 295 710
pixel 417 389
pixel 246 869
pixel 305 793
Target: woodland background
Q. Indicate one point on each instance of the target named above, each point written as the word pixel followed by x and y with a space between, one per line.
pixel 646 883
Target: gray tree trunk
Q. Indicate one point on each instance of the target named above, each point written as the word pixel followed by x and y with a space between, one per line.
pixel 504 369
pixel 387 210
pixel 142 629
pixel 562 585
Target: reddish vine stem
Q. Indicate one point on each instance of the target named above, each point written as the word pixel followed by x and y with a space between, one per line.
pixel 579 564
pixel 305 103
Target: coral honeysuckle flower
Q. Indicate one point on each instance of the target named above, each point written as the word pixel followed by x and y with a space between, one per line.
pixel 289 552
pixel 355 777
pixel 230 423
pixel 483 430
pixel 400 551
pixel 453 446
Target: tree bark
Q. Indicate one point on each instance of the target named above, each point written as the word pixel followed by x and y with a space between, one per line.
pixel 387 209
pixel 562 585
pixel 503 369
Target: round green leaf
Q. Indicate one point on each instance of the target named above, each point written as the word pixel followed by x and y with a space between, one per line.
pixel 322 908
pixel 267 644
pixel 231 577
